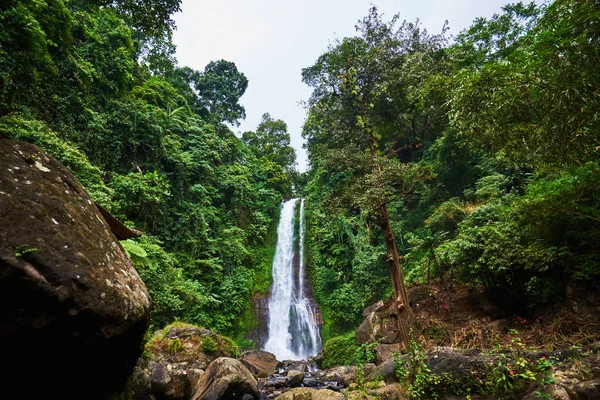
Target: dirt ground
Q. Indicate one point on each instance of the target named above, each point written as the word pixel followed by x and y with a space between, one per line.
pixel 457 318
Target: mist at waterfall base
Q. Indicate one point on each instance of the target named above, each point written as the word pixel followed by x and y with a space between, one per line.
pixel 293 333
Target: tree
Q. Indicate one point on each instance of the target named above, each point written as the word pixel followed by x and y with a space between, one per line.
pixel 537 101
pixel 362 114
pixel 220 87
pixel 271 140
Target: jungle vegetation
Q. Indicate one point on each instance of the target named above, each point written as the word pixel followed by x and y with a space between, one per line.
pixel 433 158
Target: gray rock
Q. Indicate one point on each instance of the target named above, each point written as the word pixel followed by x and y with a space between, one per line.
pixel 260 362
pixel 294 378
pixel 226 378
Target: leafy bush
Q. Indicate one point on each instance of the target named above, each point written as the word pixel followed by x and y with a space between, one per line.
pixel 340 350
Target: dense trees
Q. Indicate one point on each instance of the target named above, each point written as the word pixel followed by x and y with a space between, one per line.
pixel 96 85
pixel 468 150
pixel 474 159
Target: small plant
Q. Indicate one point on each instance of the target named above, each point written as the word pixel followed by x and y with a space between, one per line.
pixel 544 376
pixel 20 251
pixel 365 353
pixel 209 345
pixel 174 345
pixel 413 372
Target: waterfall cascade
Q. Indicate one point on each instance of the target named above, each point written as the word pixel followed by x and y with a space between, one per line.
pixel 293 333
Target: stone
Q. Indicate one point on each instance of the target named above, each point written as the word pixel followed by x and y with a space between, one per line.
pixel 226 378
pixel 389 392
pixel 311 394
pixel 588 390
pixel 260 362
pixel 376 326
pixel 289 365
pixel 379 306
pixel 384 352
pixel 294 378
pixel 73 309
pixel 556 393
pixel 342 374
pixel 386 371
pixel 498 325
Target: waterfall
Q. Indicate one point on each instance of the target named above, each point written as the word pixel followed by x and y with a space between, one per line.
pixel 293 333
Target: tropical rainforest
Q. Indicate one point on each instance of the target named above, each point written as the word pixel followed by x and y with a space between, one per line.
pixel 470 159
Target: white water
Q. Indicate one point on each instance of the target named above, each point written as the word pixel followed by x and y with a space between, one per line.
pixel 293 332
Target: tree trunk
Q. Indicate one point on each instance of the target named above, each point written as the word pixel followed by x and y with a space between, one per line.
pixel 404 311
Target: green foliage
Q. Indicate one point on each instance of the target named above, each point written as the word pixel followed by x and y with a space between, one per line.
pixel 22 250
pixel 95 84
pixel 484 153
pixel 174 345
pixel 38 133
pixel 413 372
pixel 209 345
pixel 365 353
pixel 340 350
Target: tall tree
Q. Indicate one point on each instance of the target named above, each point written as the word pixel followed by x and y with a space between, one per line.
pixel 271 140
pixel 220 87
pixel 362 116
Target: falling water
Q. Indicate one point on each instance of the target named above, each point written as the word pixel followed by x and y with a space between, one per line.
pixel 293 332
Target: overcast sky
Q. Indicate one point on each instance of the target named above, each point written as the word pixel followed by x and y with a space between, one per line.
pixel 270 41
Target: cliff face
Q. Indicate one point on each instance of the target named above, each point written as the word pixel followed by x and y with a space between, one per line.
pixel 260 310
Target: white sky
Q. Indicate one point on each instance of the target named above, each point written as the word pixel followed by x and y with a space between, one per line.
pixel 270 41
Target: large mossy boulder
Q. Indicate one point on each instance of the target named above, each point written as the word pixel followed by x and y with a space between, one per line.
pixel 174 361
pixel 73 310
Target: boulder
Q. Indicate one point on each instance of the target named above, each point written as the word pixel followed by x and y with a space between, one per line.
pixel 311 394
pixel 587 390
pixel 260 362
pixel 294 378
pixel 386 371
pixel 384 352
pixel 73 310
pixel 380 325
pixel 226 378
pixel 175 359
pixel 377 307
pixel 385 392
pixel 171 381
pixel 341 374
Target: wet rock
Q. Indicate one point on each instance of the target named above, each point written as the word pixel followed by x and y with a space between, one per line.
pixel 260 362
pixel 275 381
pixel 294 378
pixel 311 394
pixel 317 361
pixel 289 365
pixel 70 299
pixel 226 378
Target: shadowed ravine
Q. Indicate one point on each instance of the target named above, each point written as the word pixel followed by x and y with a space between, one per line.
pixel 293 330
